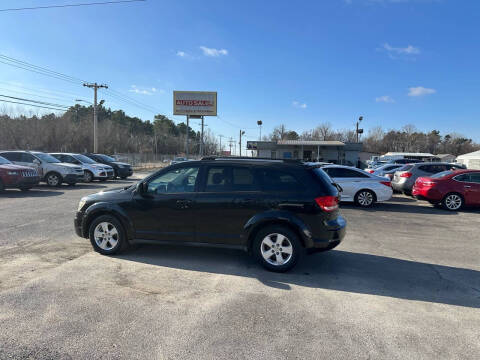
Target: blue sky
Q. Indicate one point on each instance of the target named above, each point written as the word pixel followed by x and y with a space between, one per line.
pixel 299 63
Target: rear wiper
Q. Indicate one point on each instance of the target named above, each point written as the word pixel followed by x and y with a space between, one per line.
pixel 339 188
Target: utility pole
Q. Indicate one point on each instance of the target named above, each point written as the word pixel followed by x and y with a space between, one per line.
pixel 240 142
pixel 201 140
pixel 186 136
pixel 95 87
pixel 220 136
pixel 260 123
pixel 230 145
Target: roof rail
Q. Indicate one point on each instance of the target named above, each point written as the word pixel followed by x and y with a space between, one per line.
pixel 247 158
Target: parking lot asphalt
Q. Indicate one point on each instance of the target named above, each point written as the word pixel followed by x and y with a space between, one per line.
pixel 404 284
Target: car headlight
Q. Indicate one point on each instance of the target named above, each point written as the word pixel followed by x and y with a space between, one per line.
pixel 81 204
pixel 12 172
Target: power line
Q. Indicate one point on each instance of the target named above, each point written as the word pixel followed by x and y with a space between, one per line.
pixel 34 101
pixel 39 106
pixel 36 95
pixel 72 5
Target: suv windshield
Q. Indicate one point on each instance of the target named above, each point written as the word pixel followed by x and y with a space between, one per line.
pixel 47 158
pixel 84 159
pixel 4 161
pixel 105 157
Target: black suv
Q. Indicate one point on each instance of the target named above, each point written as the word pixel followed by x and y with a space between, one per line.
pixel 120 169
pixel 274 209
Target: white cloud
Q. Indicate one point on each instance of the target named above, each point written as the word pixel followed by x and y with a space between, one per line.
pixel 145 90
pixel 299 105
pixel 409 50
pixel 385 99
pixel 181 53
pixel 420 91
pixel 213 52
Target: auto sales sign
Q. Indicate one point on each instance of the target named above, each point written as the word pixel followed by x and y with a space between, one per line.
pixel 200 103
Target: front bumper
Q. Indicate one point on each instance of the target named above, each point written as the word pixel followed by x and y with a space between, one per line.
pixel 124 172
pixel 23 181
pixel 73 178
pixel 77 223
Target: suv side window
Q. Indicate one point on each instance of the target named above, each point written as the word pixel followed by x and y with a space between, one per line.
pixel 243 179
pixel 26 157
pixel 463 177
pixel 12 156
pixel 174 181
pixel 218 179
pixel 278 180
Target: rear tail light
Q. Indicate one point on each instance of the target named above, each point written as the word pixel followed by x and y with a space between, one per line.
pixel 386 183
pixel 406 175
pixel 327 203
pixel 371 171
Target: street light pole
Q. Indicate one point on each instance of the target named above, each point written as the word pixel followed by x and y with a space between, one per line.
pixel 259 123
pixel 240 142
pixel 95 87
pixel 359 131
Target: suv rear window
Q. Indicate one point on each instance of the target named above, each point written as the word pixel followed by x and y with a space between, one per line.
pixel 277 180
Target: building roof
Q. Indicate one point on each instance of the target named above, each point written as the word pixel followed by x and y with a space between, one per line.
pixel 475 155
pixel 409 154
pixel 444 155
pixel 310 143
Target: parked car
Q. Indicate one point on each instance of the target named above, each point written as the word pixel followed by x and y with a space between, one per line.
pixel 92 170
pixel 452 188
pixel 384 169
pixel 50 169
pixel 16 176
pixel 405 177
pixel 120 169
pixel 273 209
pixel 359 186
pixel 178 160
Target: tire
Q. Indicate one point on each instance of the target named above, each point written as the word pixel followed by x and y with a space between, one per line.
pixel 365 198
pixel 266 244
pixel 88 177
pixel 115 174
pixel 123 177
pixel 2 186
pixel 53 179
pixel 453 202
pixel 107 235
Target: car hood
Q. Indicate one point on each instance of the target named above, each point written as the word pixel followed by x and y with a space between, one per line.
pixel 14 167
pixel 118 194
pixel 120 163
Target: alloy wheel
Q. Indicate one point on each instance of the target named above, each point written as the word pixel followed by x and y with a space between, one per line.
pixel 88 177
pixel 53 180
pixel 276 249
pixel 453 202
pixel 106 236
pixel 365 198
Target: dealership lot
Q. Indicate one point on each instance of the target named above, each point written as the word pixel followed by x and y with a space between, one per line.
pixel 405 283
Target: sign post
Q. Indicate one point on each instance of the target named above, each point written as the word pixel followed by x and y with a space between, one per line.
pixel 194 104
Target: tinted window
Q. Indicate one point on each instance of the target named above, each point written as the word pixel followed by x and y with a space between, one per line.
pixel 84 159
pixel 278 180
pixel 243 179
pixel 46 157
pixel 28 158
pixel 463 177
pixel 217 179
pixel 12 156
pixel 475 177
pixel 174 181
pixel 344 173
pixel 406 168
pixel 442 174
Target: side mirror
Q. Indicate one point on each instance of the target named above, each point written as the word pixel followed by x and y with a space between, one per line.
pixel 142 188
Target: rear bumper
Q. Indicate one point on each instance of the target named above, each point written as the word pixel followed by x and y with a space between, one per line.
pixel 427 194
pixel 336 230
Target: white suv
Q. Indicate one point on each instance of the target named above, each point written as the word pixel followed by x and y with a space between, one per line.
pixel 50 169
pixel 92 169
